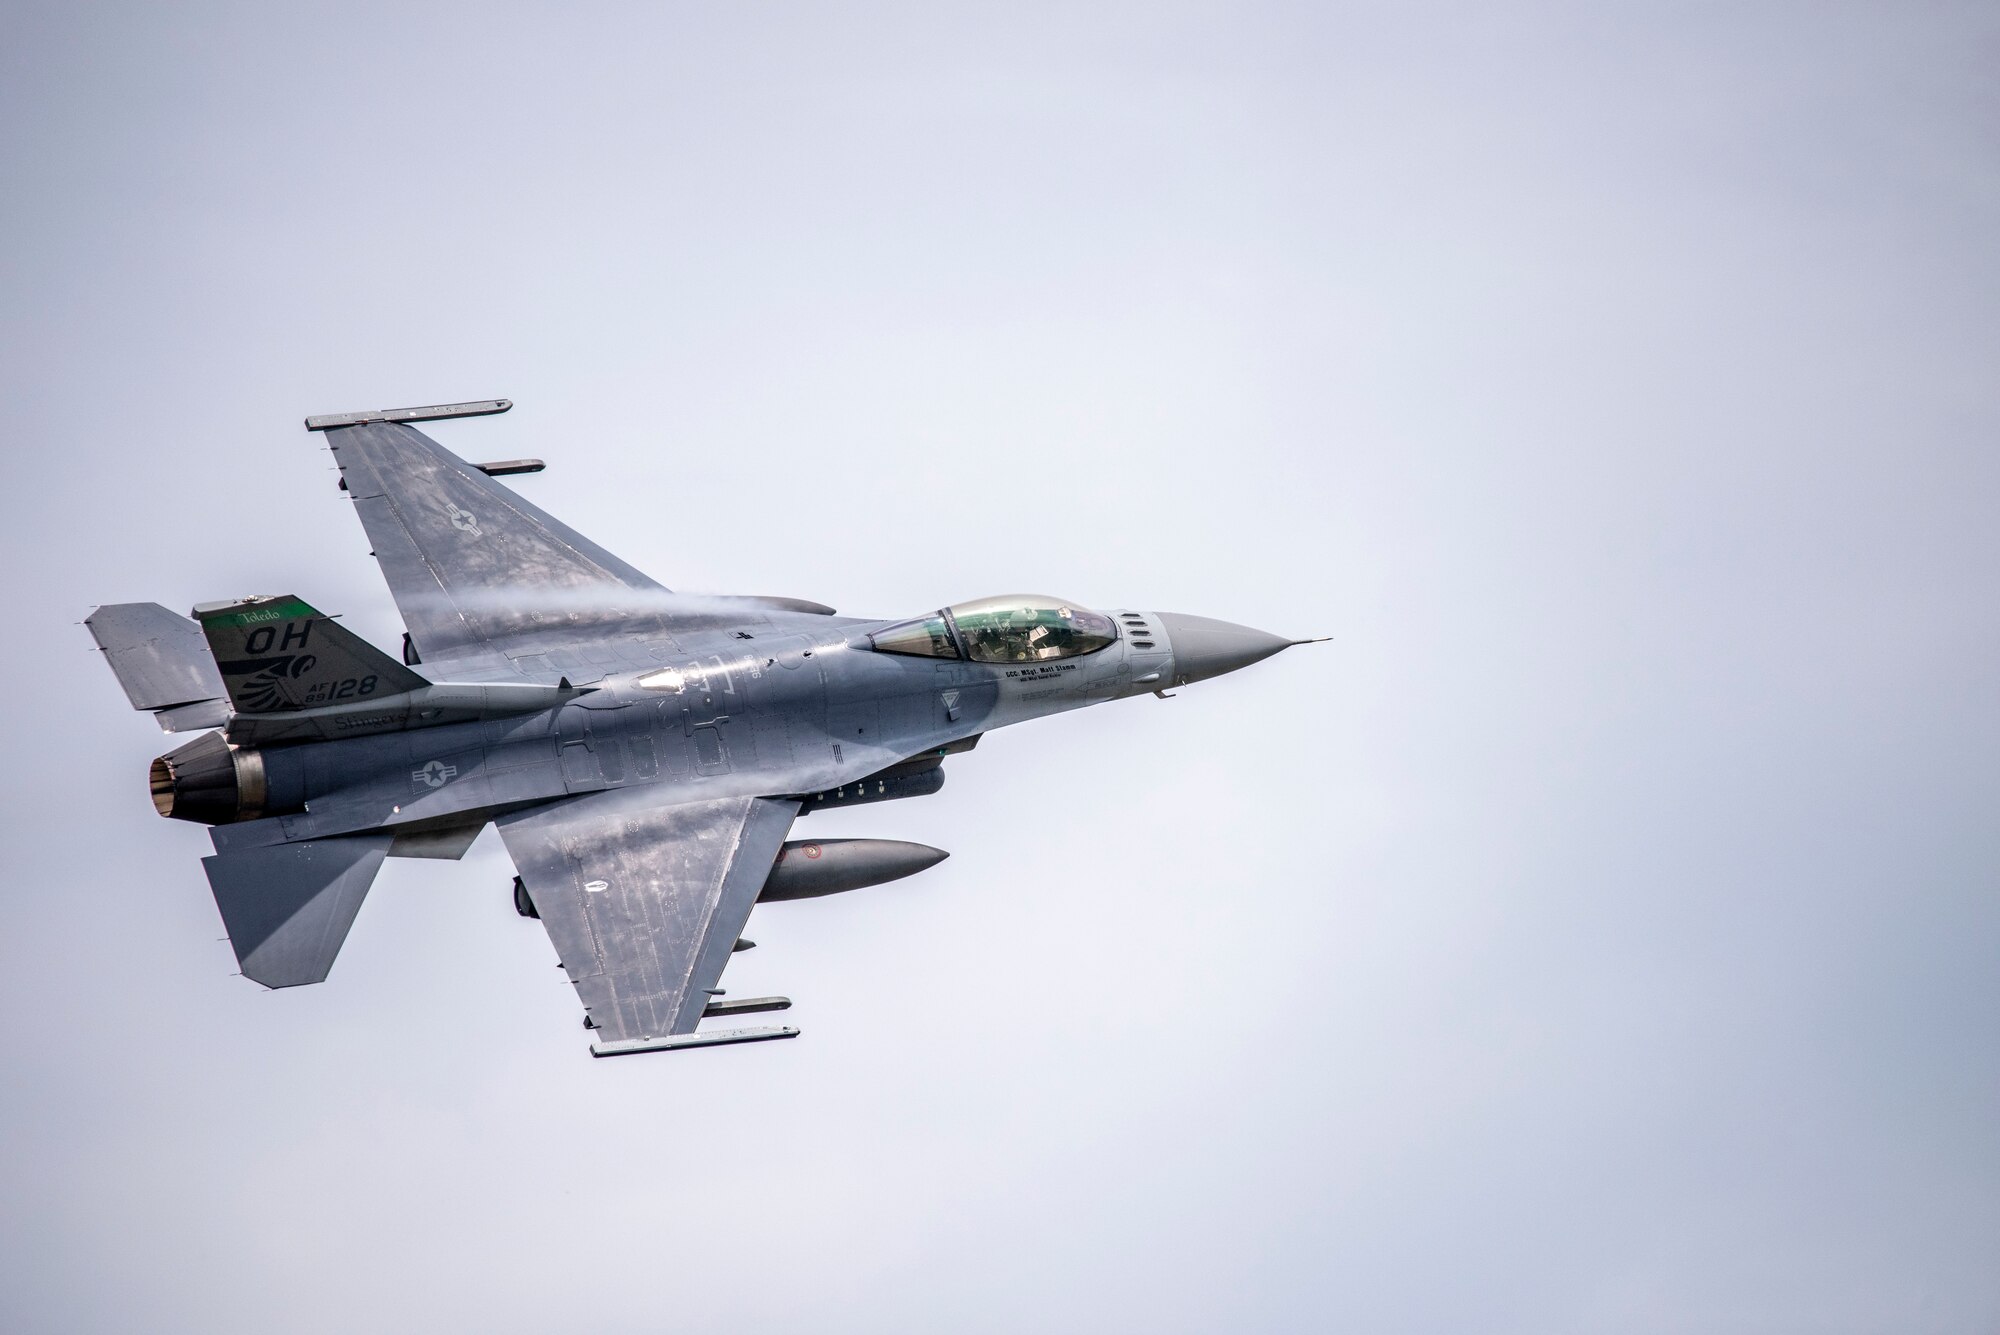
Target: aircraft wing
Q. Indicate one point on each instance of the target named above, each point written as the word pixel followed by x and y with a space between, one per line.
pixel 472 565
pixel 645 902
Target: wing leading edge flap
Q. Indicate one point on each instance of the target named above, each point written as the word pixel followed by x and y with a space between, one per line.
pixel 287 907
pixel 644 903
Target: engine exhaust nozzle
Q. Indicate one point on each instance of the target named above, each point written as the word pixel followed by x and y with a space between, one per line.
pixel 209 782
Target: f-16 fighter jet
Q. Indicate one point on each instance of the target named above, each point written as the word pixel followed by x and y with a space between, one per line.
pixel 643 753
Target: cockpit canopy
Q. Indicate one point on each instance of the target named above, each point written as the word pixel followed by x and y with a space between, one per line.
pixel 1013 628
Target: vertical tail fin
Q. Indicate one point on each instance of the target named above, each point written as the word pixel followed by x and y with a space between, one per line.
pixel 279 656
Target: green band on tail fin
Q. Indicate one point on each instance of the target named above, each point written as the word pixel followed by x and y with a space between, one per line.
pixel 278 656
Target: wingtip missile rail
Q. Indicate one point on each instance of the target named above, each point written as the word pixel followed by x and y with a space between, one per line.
pixel 625 1047
pixel 436 412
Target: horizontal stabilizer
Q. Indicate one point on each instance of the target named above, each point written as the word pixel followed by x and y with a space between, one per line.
pixel 162 662
pixel 287 907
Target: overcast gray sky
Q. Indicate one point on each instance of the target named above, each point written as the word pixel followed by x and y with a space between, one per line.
pixel 1599 935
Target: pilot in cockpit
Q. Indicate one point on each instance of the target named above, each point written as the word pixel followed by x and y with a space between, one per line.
pixel 1012 628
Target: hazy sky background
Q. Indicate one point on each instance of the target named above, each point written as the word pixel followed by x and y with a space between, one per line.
pixel 1599 935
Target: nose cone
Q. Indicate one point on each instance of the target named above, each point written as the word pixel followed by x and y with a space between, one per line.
pixel 1204 647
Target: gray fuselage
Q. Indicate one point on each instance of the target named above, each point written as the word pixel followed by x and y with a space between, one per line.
pixel 800 706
